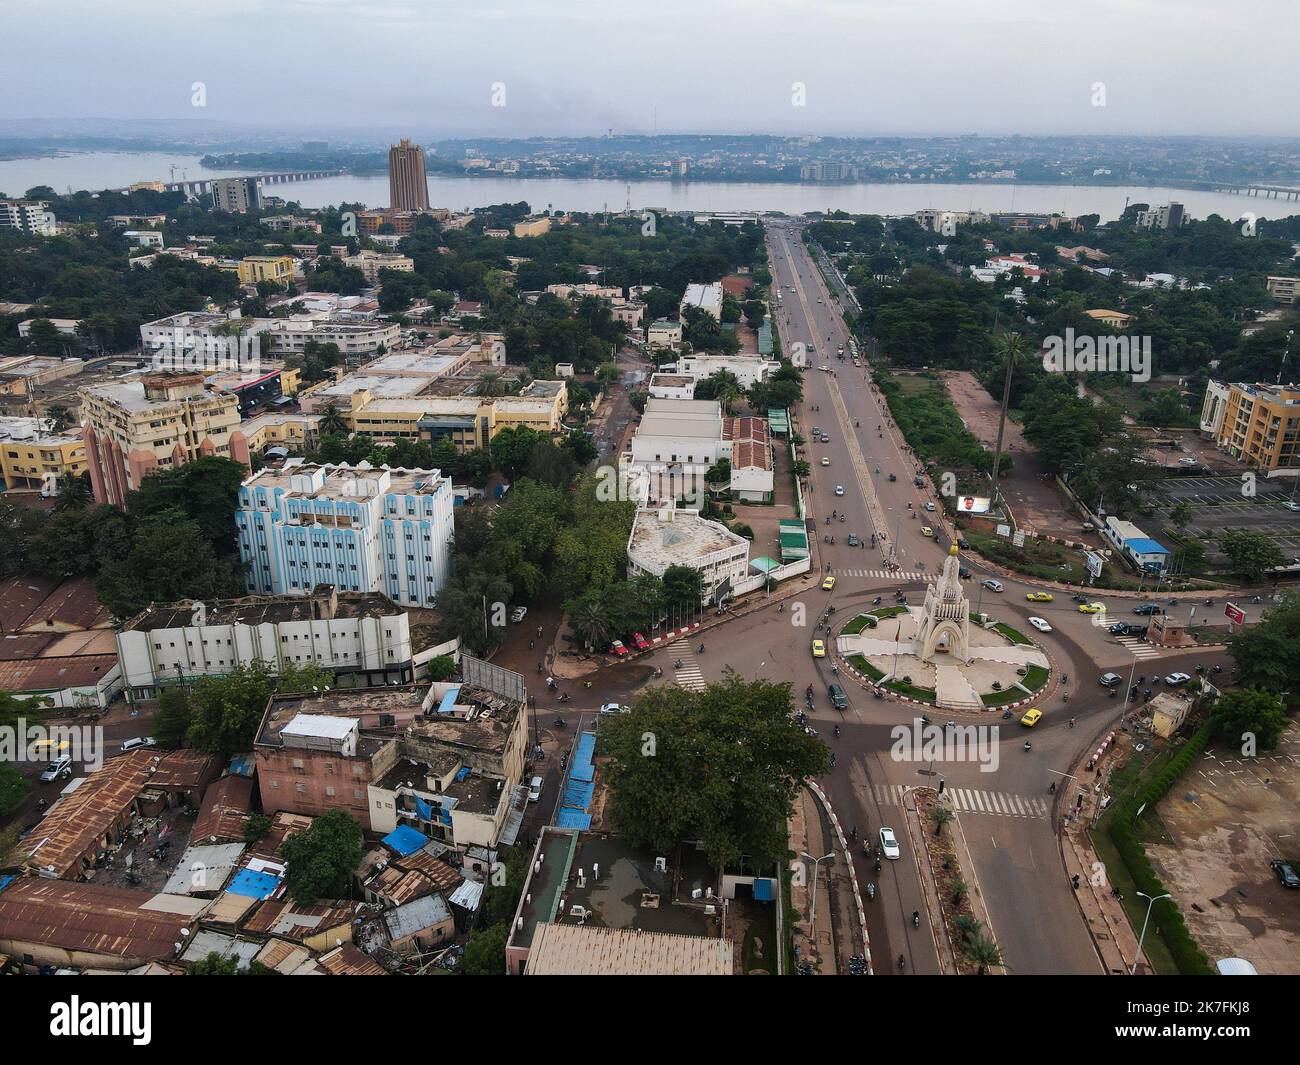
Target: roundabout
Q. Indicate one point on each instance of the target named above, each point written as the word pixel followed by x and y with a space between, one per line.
pixel 939 653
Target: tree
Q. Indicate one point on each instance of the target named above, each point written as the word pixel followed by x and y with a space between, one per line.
pixel 940 815
pixel 724 767
pixel 683 587
pixel 485 952
pixel 74 492
pixel 1250 554
pixel 173 719
pixel 320 860
pixel 13 789
pixel 59 416
pixel 215 964
pixel 985 952
pixel 1181 515
pixel 255 827
pixel 227 710
pixel 331 421
pixel 1250 712
pixel 1263 654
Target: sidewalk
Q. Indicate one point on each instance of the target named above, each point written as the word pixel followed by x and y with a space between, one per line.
pixel 1112 935
pixel 807 836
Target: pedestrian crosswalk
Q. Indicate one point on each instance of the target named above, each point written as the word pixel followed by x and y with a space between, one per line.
pixel 974 801
pixel 1138 648
pixel 688 676
pixel 886 574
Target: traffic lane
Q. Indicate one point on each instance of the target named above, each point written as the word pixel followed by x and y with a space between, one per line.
pixel 1034 919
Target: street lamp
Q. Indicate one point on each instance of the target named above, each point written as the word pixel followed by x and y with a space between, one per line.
pixel 1150 903
pixel 812 910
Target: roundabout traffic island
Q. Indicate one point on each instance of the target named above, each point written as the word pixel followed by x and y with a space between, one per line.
pixel 942 654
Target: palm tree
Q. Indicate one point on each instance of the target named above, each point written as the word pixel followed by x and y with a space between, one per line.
pixel 331 420
pixel 591 622
pixel 984 951
pixel 940 815
pixel 958 891
pixel 59 416
pixel 490 384
pixel 967 925
pixel 1011 347
pixel 74 492
pixel 727 389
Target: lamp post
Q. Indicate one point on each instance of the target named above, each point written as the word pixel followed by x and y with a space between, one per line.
pixel 812 910
pixel 1150 903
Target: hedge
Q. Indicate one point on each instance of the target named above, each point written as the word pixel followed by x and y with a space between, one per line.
pixel 1189 957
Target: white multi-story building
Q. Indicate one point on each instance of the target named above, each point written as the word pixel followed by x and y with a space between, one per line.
pixel 1213 407
pixel 1168 216
pixel 27 216
pixel 358 528
pixel 707 298
pixel 748 369
pixel 664 537
pixel 362 637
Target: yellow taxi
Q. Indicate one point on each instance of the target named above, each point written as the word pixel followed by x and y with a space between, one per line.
pixel 828 584
pixel 1039 597
pixel 1092 608
pixel 819 649
pixel 927 531
pixel 1032 716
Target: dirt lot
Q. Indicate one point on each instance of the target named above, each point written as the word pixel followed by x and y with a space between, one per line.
pixel 1228 817
pixel 1035 501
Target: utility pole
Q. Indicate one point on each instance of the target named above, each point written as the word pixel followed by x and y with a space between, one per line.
pixel 1011 349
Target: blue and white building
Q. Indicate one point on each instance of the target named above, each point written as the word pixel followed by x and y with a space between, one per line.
pixel 1145 553
pixel 357 528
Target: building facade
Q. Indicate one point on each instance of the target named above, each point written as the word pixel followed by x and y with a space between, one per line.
pixel 356 528
pixel 408 186
pixel 28 216
pixel 363 638
pixel 34 457
pixel 156 421
pixel 237 195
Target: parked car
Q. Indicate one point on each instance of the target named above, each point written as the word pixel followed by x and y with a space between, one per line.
pixel 518 614
pixel 1040 624
pixel 1291 504
pixel 640 642
pixel 889 843
pixel 139 741
pixel 535 789
pixel 59 769
pixel 1286 875
pixel 617 648
pixel 838 699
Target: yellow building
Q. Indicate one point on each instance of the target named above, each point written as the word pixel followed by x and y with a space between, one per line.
pixel 153 421
pixel 32 457
pixel 1261 425
pixel 1114 319
pixel 278 269
pixel 533 227
pixel 296 433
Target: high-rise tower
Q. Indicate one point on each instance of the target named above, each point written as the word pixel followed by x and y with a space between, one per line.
pixel 408 188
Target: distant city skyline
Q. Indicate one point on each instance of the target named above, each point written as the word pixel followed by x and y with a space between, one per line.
pixel 517 68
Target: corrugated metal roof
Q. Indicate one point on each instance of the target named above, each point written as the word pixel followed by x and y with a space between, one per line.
pixel 586 950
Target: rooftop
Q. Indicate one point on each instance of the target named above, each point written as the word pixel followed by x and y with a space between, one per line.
pixel 308 480
pixel 587 950
pixel 322 604
pixel 679 537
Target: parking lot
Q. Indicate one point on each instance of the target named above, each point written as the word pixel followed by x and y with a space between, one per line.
pixel 1227 818
pixel 1220 503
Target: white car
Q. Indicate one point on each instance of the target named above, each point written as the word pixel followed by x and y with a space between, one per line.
pixel 1291 504
pixel 139 741
pixel 1187 461
pixel 1175 679
pixel 889 843
pixel 534 789
pixel 839 489
pixel 614 708
pixel 991 584
pixel 929 506
pixel 1040 624
pixel 59 769
pixel 518 614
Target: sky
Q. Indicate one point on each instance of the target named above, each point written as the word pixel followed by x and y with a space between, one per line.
pixel 584 67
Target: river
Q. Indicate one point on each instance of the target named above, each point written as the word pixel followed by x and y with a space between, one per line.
pixel 97 170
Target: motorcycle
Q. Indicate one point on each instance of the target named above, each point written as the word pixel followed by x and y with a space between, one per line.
pixel 916 919
pixel 1051 788
pixel 701 650
pixel 1028 746
pixel 875 601
pixel 837 732
pixel 877 865
pixel 564 697
pixel 677 664
pixel 560 723
pixel 871 891
pixel 657 673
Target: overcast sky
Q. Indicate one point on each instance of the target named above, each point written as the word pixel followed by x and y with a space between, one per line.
pixel 585 66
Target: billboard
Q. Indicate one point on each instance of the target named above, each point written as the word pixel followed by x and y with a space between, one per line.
pixel 1234 613
pixel 1095 562
pixel 972 505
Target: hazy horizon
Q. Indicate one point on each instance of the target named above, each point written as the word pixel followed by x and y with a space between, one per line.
pixel 527 68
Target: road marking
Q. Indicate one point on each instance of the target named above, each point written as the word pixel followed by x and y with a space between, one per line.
pixel 973 801
pixel 1138 647
pixel 689 675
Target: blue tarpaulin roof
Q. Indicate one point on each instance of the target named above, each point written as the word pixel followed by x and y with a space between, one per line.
pixel 1146 546
pixel 763 891
pixel 405 840
pixel 449 700
pixel 253 885
pixel 241 765
pixel 5 881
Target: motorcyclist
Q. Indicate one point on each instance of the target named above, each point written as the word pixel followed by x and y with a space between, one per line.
pixel 916 918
